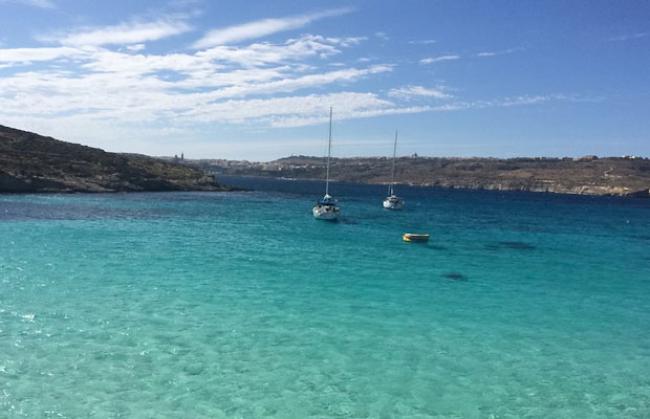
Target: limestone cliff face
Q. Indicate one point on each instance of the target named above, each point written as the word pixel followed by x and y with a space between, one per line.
pixel 33 163
pixel 587 176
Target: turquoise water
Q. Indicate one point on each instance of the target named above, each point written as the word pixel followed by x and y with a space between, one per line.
pixel 200 305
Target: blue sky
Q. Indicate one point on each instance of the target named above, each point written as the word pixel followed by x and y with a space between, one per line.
pixel 254 79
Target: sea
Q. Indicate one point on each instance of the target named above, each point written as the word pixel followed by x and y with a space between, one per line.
pixel 241 305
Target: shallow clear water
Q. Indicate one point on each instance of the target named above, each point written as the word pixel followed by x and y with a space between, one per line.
pixel 241 305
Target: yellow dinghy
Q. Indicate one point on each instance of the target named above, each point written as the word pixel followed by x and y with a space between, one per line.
pixel 415 237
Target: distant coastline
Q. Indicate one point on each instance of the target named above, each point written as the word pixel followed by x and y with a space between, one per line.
pixel 627 176
pixel 32 163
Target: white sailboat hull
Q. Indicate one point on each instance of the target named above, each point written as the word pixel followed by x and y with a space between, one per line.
pixel 326 212
pixel 393 203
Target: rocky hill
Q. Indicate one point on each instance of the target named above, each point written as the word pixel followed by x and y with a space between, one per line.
pixel 618 176
pixel 33 163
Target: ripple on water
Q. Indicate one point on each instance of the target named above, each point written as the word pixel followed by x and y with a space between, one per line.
pixel 455 276
pixel 511 245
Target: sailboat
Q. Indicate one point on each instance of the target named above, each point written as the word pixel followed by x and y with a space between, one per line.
pixel 392 201
pixel 326 208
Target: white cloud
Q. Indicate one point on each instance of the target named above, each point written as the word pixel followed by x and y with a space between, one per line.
pixel 525 100
pixel 136 47
pixel 529 100
pixel 43 4
pixel 501 52
pixel 122 34
pixel 301 121
pixel 293 49
pixel 275 111
pixel 409 92
pixel 423 42
pixel 432 60
pixel 261 28
pixel 28 55
pixel 292 84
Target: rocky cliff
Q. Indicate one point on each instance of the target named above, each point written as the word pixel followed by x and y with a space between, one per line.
pixel 33 163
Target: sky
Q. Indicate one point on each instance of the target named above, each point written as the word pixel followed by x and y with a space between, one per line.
pixel 255 79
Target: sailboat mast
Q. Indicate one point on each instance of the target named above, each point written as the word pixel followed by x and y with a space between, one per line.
pixel 392 178
pixel 329 152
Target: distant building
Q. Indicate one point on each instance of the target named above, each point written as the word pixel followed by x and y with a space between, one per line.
pixel 587 158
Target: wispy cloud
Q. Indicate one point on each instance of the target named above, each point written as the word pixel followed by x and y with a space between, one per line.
pixel 368 112
pixel 500 52
pixel 628 37
pixel 136 47
pixel 370 105
pixel 423 42
pixel 265 53
pixel 288 111
pixel 431 60
pixel 292 84
pixel 122 34
pixel 43 4
pixel 507 102
pixel 264 27
pixel 408 92
pixel 29 55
